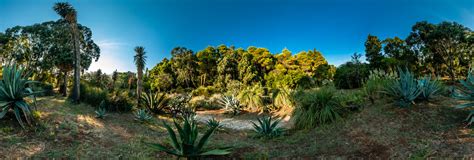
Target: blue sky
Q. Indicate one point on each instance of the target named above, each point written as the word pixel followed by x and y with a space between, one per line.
pixel 337 28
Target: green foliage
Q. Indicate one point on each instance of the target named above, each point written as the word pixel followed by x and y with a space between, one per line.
pixel 430 88
pixel 204 91
pixel 213 123
pixel 251 97
pixel 374 85
pixel 154 102
pixel 351 75
pixel 267 127
pixel 282 100
pixel 187 144
pixel 101 112
pixel 179 105
pixel 317 106
pixel 120 101
pixel 142 115
pixel 92 95
pixel 403 90
pixel 13 90
pixel 230 104
pixel 467 94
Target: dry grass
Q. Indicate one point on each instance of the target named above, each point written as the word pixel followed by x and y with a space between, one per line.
pixel 379 131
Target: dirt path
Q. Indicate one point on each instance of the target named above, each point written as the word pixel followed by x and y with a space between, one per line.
pixel 239 122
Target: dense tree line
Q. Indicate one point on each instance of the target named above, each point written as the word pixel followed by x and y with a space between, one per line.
pixel 222 66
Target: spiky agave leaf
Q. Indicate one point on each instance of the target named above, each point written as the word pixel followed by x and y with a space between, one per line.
pixel 266 127
pixel 13 90
pixel 186 145
pixel 142 115
pixel 403 90
pixel 430 88
pixel 467 94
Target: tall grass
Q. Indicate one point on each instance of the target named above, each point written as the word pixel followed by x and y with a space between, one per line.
pixel 317 106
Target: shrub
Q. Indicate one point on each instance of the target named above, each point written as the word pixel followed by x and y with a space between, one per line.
pixel 14 89
pixel 376 82
pixel 403 90
pixel 467 94
pixel 142 115
pixel 185 145
pixel 430 88
pixel 267 127
pixel 101 112
pixel 251 97
pixel 204 91
pixel 230 104
pixel 92 95
pixel 46 89
pixel 154 102
pixel 351 75
pixel 318 106
pixel 353 100
pixel 120 101
pixel 180 105
pixel 282 101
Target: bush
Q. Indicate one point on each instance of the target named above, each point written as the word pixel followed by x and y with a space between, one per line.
pixel 403 90
pixel 351 75
pixel 317 106
pixel 92 95
pixel 204 91
pixel 179 105
pixel 44 89
pixel 120 101
pixel 376 82
pixel 252 98
pixel 467 94
pixel 282 100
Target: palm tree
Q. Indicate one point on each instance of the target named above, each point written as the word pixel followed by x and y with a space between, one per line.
pixel 68 13
pixel 140 61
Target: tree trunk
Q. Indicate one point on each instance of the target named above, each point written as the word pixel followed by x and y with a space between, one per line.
pixel 64 85
pixel 77 64
pixel 139 84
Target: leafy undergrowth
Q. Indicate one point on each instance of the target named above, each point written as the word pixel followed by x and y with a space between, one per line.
pixel 378 131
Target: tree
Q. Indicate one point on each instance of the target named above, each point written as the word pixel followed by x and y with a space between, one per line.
pixel 140 61
pixel 67 12
pixel 373 48
pixel 184 65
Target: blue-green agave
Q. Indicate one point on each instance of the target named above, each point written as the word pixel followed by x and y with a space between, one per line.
pixel 403 90
pixel 13 90
pixel 267 127
pixel 101 112
pixel 467 94
pixel 430 88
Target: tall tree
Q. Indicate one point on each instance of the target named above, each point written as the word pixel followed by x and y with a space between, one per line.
pixel 373 48
pixel 140 61
pixel 67 12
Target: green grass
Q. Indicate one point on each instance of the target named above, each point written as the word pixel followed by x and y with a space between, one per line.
pixel 432 129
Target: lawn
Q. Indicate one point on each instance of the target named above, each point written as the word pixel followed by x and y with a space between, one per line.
pixel 377 131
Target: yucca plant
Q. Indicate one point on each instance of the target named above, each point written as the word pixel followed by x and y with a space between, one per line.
pixel 403 90
pixel 101 111
pixel 187 144
pixel 267 127
pixel 230 104
pixel 154 102
pixel 430 88
pixel 13 90
pixel 317 106
pixel 142 115
pixel 467 94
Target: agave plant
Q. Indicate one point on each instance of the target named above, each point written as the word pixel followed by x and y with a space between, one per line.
pixel 430 88
pixel 154 102
pixel 213 122
pixel 267 127
pixel 403 90
pixel 101 112
pixel 13 90
pixel 142 115
pixel 467 94
pixel 231 104
pixel 188 145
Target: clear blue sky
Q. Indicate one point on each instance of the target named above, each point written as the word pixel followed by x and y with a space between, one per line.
pixel 334 27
